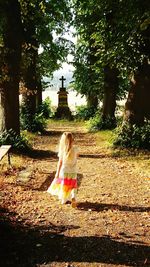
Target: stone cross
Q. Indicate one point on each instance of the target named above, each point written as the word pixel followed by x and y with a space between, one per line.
pixel 63 111
pixel 62 79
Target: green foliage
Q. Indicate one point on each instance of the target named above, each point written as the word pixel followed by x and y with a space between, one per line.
pixel 114 34
pixel 20 142
pixel 98 123
pixel 84 112
pixel 118 36
pixel 45 108
pixel 132 136
pixel 43 49
pixel 32 123
pixel 86 79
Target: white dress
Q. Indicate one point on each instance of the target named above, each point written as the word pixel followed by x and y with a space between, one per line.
pixel 65 186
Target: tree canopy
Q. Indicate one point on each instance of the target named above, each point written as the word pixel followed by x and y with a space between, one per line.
pixel 111 56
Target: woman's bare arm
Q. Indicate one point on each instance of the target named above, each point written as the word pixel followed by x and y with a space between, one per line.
pixel 58 168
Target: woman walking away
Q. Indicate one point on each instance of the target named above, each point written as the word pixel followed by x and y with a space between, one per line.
pixel 64 184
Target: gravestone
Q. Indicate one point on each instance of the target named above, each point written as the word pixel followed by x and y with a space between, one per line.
pixel 25 175
pixel 63 110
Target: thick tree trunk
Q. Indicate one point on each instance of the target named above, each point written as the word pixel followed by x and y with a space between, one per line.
pixel 92 100
pixel 9 108
pixel 29 98
pixel 110 91
pixel 137 107
pixel 10 66
pixel 91 95
pixel 39 93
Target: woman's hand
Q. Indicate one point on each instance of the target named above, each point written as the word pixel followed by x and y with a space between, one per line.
pixel 56 177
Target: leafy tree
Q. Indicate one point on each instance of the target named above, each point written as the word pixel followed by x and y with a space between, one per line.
pixel 137 108
pixel 103 81
pixel 129 52
pixel 120 41
pixel 33 23
pixel 85 54
pixel 40 20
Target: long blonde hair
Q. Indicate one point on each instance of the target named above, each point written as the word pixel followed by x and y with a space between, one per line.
pixel 66 143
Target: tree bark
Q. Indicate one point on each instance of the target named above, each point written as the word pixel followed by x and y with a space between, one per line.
pixel 110 92
pixel 31 97
pixel 39 93
pixel 92 100
pixel 137 107
pixel 10 66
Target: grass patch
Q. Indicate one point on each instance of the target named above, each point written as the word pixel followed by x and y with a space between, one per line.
pixel 137 159
pixel 65 123
pixel 140 163
pixel 104 141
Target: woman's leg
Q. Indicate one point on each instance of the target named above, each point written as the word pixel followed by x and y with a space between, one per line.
pixel 73 198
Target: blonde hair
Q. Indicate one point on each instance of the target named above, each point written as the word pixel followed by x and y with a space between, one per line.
pixel 65 145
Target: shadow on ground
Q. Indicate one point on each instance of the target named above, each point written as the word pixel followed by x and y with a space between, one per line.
pixel 30 247
pixel 37 153
pixel 41 154
pixel 44 186
pixel 102 206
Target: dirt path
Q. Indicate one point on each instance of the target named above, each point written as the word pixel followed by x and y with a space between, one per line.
pixel 110 227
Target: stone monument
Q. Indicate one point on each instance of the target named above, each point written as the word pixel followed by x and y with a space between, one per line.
pixel 63 111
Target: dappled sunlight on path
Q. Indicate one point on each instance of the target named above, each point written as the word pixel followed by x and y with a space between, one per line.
pixel 109 227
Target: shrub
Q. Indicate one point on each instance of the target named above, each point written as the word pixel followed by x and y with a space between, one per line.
pixel 133 136
pixel 98 123
pixel 84 112
pixel 32 123
pixel 20 142
pixel 45 108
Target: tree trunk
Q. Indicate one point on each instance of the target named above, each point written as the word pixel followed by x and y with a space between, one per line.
pixel 92 100
pixel 9 108
pixel 110 91
pixel 29 97
pixel 137 107
pixel 39 93
pixel 10 66
pixel 91 95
